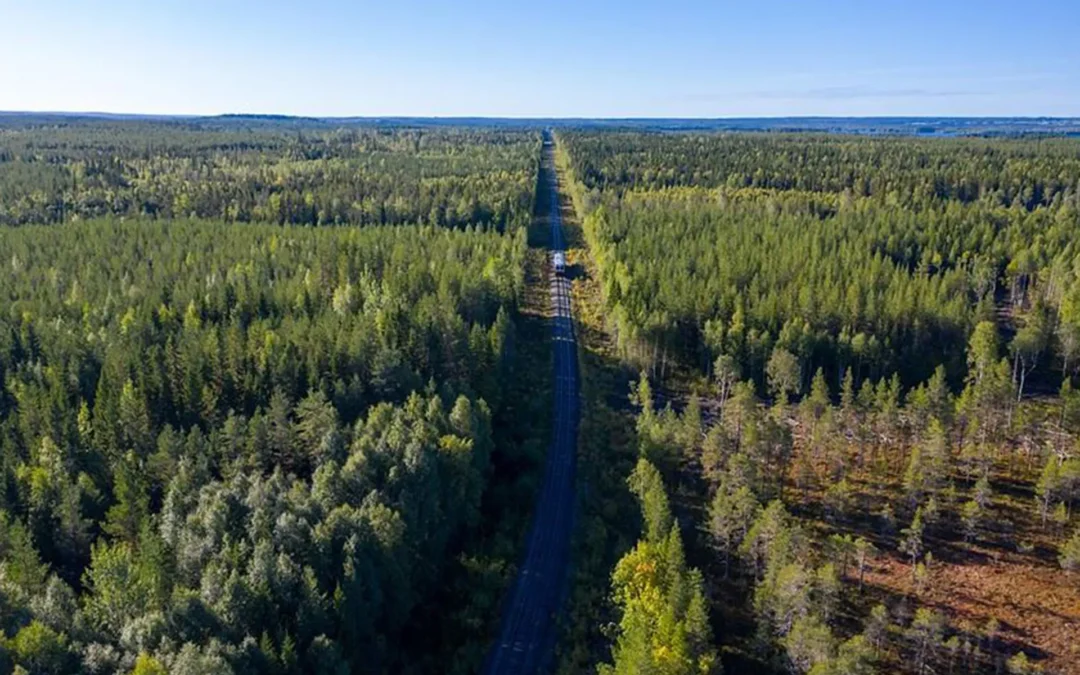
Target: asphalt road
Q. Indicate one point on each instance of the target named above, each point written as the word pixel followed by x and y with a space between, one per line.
pixel 527 634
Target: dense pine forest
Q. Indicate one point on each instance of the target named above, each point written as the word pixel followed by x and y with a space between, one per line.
pixel 879 255
pixel 855 422
pixel 252 171
pixel 277 392
pixel 259 447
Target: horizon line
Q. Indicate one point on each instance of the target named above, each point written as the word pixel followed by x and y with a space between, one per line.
pixel 397 116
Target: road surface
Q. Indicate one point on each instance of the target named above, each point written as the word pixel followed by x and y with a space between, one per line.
pixel 527 633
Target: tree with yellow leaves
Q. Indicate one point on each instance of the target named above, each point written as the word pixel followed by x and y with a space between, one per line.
pixel 664 627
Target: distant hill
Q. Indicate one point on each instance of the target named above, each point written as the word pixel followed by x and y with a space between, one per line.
pixel 918 126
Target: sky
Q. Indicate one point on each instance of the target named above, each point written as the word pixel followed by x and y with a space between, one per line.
pixel 583 58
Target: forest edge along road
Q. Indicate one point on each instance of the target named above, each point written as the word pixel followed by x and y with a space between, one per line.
pixel 526 634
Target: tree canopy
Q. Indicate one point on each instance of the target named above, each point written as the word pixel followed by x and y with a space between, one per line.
pixel 231 447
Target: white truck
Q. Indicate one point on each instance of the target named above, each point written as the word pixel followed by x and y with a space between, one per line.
pixel 558 261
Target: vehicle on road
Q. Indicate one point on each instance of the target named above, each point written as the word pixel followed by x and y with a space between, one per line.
pixel 558 261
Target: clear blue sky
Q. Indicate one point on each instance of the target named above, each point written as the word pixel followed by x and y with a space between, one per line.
pixel 699 58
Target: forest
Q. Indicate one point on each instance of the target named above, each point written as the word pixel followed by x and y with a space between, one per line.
pixel 854 423
pixel 277 391
pixel 878 255
pixel 231 442
pixel 270 173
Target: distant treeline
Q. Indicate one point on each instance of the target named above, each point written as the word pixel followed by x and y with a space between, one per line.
pixel 311 175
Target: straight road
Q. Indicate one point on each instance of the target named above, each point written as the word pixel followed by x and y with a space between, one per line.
pixel 527 633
